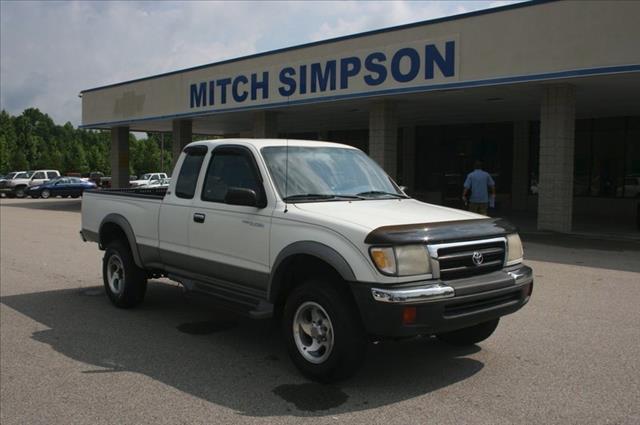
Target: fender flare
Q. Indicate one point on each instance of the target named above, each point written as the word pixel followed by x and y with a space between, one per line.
pixel 128 231
pixel 314 249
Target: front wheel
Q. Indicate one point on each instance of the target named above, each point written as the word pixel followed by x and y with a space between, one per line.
pixel 45 194
pixel 324 335
pixel 124 282
pixel 471 335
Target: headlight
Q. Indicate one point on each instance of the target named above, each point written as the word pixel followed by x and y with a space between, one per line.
pixel 34 188
pixel 407 260
pixel 514 249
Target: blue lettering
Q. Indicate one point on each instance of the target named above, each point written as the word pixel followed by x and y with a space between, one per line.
pixel 318 78
pixel 212 86
pixel 433 56
pixel 223 83
pixel 375 67
pixel 289 87
pixel 303 79
pixel 260 85
pixel 237 95
pixel 198 95
pixel 348 68
pixel 414 59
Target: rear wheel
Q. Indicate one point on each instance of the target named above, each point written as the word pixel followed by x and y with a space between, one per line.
pixel 20 192
pixel 471 335
pixel 323 331
pixel 45 194
pixel 124 282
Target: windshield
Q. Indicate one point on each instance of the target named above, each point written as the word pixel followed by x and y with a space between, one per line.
pixel 327 173
pixel 10 176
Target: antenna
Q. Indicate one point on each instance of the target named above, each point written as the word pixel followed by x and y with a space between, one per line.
pixel 286 170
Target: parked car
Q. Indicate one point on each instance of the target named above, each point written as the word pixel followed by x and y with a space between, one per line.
pixel 63 186
pixel 157 183
pixel 317 235
pixel 147 179
pixel 18 185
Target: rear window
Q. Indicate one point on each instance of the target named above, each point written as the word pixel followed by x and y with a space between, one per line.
pixel 189 172
pixel 52 174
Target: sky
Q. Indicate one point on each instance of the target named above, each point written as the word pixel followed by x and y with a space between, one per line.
pixel 52 50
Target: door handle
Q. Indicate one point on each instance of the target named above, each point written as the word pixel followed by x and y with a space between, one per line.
pixel 198 217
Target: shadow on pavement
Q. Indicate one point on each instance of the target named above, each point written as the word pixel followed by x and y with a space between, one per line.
pixel 49 204
pixel 582 251
pixel 226 359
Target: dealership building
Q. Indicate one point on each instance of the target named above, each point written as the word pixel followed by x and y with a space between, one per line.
pixel 545 93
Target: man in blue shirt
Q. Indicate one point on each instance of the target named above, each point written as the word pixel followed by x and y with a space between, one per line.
pixel 478 182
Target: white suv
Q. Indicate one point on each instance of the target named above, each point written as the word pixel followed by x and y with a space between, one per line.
pixel 17 186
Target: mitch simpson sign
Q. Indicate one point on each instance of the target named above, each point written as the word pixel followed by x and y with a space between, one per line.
pixel 398 68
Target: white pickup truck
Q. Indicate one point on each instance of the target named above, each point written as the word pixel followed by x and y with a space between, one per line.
pixel 149 179
pixel 316 235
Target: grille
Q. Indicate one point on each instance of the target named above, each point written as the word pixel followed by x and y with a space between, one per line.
pixel 457 261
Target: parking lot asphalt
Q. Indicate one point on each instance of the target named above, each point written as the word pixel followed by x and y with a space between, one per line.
pixel 572 355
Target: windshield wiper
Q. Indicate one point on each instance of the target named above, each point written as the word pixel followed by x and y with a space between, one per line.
pixel 380 192
pixel 313 196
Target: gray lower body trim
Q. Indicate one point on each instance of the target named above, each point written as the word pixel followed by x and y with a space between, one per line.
pixel 215 273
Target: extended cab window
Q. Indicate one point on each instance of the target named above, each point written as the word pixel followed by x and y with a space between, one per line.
pixel 52 174
pixel 230 167
pixel 39 175
pixel 188 177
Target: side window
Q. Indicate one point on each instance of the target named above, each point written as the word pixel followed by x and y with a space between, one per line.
pixel 39 175
pixel 230 167
pixel 52 174
pixel 188 176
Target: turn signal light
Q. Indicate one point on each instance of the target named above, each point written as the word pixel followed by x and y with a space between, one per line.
pixel 408 315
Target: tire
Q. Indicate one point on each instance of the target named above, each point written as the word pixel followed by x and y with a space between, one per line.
pixel 124 282
pixel 341 352
pixel 45 194
pixel 471 335
pixel 19 192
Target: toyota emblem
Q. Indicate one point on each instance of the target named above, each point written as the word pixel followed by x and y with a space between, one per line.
pixel 477 258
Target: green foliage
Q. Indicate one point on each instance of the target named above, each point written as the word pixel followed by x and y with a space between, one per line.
pixel 32 140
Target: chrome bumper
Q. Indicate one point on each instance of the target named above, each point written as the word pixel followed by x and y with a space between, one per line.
pixel 439 290
pixel 421 294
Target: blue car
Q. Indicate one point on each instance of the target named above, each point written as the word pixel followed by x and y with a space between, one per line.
pixel 63 186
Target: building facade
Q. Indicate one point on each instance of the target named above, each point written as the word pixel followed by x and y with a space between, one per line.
pixel 545 93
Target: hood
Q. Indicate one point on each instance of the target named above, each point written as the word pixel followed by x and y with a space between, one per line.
pixel 386 212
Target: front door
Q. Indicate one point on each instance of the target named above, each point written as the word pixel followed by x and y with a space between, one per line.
pixel 230 243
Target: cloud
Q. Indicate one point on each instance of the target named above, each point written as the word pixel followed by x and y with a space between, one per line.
pixel 50 51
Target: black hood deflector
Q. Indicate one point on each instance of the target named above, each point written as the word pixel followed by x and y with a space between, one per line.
pixel 446 231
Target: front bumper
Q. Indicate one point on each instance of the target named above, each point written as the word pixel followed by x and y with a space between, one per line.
pixel 442 306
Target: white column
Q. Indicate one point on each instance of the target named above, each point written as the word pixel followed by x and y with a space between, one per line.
pixel 182 135
pixel 557 139
pixel 520 172
pixel 119 157
pixel 265 125
pixel 383 136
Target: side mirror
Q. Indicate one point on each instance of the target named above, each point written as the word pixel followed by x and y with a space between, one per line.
pixel 241 196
